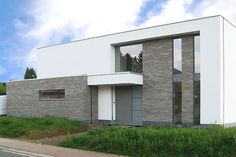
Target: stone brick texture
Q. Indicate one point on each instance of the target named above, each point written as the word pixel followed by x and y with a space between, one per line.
pixel 158 86
pixel 23 98
pixel 187 78
pixel 157 77
pixel 94 104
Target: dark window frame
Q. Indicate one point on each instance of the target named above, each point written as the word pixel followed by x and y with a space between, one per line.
pixel 176 82
pixel 196 83
pixel 52 94
pixel 118 66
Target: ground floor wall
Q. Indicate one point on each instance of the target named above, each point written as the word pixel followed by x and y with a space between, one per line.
pixel 23 98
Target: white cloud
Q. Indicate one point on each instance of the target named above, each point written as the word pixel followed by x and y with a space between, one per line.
pixel 178 10
pixel 171 11
pixel 225 8
pixel 19 24
pixel 2 70
pixel 57 19
pixel 53 21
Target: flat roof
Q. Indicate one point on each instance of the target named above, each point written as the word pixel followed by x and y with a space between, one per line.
pixel 134 30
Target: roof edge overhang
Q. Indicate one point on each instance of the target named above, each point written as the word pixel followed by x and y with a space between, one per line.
pixel 120 78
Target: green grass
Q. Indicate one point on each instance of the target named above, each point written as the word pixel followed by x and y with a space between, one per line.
pixel 36 128
pixel 158 141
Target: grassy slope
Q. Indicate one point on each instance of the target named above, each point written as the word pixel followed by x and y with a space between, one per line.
pixel 158 141
pixel 36 128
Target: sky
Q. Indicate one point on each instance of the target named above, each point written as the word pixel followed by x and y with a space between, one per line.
pixel 26 25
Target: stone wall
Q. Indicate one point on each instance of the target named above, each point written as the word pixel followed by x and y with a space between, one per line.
pixel 157 86
pixel 187 82
pixel 23 98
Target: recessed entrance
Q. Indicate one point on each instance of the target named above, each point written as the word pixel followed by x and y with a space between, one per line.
pixel 129 105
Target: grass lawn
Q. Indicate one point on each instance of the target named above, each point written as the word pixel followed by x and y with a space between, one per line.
pixel 132 141
pixel 38 128
pixel 158 141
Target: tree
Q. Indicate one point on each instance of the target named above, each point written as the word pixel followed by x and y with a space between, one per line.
pixel 30 73
pixel 2 88
pixel 128 59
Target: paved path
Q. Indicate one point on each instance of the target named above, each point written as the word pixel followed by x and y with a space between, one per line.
pixel 38 150
pixel 10 154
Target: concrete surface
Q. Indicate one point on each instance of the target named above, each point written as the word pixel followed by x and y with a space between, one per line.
pixel 38 150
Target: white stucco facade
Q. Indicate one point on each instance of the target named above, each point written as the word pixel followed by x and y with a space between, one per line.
pixel 229 104
pixel 120 78
pixel 96 56
pixel 3 105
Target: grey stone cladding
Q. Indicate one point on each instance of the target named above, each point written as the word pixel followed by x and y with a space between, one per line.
pixel 94 103
pixel 157 77
pixel 23 98
pixel 187 81
pixel 158 86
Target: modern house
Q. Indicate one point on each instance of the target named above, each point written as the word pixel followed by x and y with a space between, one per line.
pixel 178 73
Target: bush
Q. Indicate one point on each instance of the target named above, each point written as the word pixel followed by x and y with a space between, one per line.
pixel 158 141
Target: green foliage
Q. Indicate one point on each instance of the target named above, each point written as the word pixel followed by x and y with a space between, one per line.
pixel 17 127
pixel 158 141
pixel 30 73
pixel 2 88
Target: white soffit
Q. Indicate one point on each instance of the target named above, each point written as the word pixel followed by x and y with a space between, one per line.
pixel 122 78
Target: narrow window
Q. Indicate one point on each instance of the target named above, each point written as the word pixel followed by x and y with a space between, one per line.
pixel 177 81
pixel 52 94
pixel 197 54
pixel 129 58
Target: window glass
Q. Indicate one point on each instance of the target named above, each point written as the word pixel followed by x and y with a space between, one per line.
pixel 177 56
pixel 177 80
pixel 129 58
pixel 197 54
pixel 52 94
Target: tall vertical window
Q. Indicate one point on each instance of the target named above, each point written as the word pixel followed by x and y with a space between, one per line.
pixel 196 117
pixel 129 58
pixel 177 80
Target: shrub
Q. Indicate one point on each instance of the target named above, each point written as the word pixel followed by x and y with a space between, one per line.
pixel 158 141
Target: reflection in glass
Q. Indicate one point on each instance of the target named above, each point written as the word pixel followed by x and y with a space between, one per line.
pixel 177 80
pixel 196 117
pixel 129 58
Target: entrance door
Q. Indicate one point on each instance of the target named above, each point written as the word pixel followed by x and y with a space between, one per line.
pixel 123 104
pixel 137 102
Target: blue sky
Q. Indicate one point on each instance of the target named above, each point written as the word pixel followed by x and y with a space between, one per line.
pixel 28 24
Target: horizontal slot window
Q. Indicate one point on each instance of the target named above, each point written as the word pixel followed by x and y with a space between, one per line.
pixel 52 94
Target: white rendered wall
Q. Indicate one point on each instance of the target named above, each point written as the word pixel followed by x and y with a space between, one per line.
pixel 97 56
pixel 3 105
pixel 105 103
pixel 120 78
pixel 211 66
pixel 230 73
